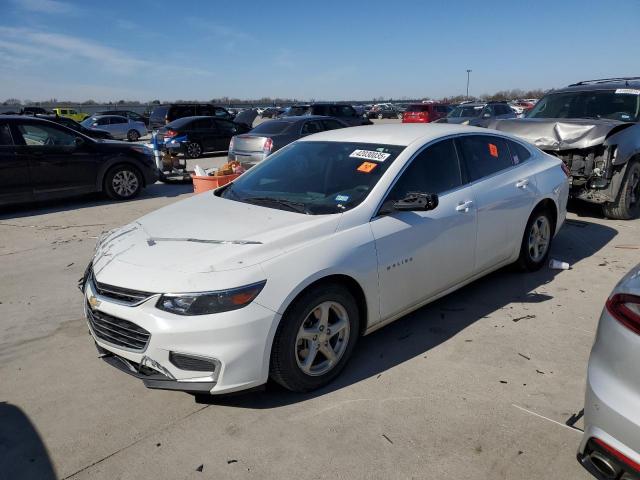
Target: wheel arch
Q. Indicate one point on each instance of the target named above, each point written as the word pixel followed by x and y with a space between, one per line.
pixel 113 163
pixel 548 204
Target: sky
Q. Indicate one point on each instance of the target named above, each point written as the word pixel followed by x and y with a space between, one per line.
pixel 323 50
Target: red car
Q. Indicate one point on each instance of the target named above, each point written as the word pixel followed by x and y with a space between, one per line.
pixel 424 112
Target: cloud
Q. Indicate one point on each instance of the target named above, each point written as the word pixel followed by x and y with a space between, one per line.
pixel 45 6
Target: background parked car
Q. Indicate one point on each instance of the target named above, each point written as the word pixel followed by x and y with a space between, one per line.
pixel 126 113
pixel 164 114
pixel 478 114
pixel 70 113
pixel 119 127
pixel 34 111
pixel 40 160
pixel 344 112
pixel 610 446
pixel 383 110
pixel 424 112
pixel 78 127
pixel 268 137
pixel 271 112
pixel 193 136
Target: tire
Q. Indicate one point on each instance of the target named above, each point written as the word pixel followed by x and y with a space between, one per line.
pixel 194 150
pixel 628 205
pixel 123 182
pixel 133 135
pixel 380 116
pixel 532 258
pixel 290 350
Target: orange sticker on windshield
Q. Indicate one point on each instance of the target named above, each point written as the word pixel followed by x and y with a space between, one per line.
pixel 493 150
pixel 366 167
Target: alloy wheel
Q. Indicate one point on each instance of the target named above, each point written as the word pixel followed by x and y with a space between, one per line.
pixel 322 338
pixel 539 237
pixel 125 183
pixel 194 150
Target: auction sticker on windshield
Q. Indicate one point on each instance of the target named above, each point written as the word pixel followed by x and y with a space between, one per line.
pixel 370 155
pixel 366 167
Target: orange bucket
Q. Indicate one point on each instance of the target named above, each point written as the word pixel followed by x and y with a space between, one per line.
pixel 202 184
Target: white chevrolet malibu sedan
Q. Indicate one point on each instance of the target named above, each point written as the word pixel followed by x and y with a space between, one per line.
pixel 277 274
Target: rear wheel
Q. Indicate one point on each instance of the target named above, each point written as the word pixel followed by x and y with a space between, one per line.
pixel 123 182
pixel 194 150
pixel 536 241
pixel 628 204
pixel 133 135
pixel 315 338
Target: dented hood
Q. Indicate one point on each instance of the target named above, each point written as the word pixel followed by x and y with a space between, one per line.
pixel 201 235
pixel 558 133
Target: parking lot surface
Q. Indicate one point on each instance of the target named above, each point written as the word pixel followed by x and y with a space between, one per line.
pixel 476 385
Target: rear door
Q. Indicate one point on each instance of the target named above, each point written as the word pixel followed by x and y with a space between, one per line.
pixel 58 166
pixel 504 192
pixel 119 126
pixel 15 179
pixel 203 131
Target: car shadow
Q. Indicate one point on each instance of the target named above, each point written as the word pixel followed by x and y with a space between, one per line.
pixel 426 328
pixel 585 209
pixel 157 190
pixel 23 454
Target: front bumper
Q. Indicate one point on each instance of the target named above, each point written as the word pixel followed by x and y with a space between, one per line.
pixel 238 343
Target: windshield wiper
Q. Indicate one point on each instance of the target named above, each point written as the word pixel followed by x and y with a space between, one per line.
pixel 294 206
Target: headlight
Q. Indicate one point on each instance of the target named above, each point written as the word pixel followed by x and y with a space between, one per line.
pixel 142 149
pixel 204 303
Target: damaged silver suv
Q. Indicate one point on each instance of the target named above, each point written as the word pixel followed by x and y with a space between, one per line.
pixel 593 127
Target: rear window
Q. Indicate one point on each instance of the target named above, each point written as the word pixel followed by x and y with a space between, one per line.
pixel 159 113
pixel 271 128
pixel 418 108
pixel 295 111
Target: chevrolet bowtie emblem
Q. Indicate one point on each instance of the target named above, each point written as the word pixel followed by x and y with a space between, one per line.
pixel 94 302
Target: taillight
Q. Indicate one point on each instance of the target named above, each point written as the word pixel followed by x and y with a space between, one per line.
pixel 170 133
pixel 424 116
pixel 233 140
pixel 565 169
pixel 625 308
pixel 267 146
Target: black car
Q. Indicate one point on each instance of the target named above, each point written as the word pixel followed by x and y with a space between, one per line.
pixel 127 114
pixel 40 160
pixel 73 125
pixel 35 111
pixel 271 112
pixel 165 114
pixel 193 136
pixel 344 112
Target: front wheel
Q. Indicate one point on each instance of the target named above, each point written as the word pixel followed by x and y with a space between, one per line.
pixel 536 241
pixel 315 338
pixel 123 182
pixel 628 205
pixel 133 135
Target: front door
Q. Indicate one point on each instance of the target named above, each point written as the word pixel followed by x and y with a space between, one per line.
pixel 15 180
pixel 423 253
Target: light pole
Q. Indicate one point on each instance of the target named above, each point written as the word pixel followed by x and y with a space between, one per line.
pixel 468 72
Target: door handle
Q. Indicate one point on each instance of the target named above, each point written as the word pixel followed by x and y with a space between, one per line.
pixel 522 183
pixel 464 206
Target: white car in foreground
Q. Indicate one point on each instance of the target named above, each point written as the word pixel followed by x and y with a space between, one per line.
pixel 278 273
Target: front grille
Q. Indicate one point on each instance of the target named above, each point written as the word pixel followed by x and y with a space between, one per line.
pixel 120 295
pixel 188 362
pixel 117 331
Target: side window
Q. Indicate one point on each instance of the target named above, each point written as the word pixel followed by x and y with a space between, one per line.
pixel 488 109
pixel 5 135
pixel 347 111
pixel 434 170
pixel 180 111
pixel 519 153
pixel 102 121
pixel 226 128
pixel 221 112
pixel 484 155
pixel 45 135
pixel 117 120
pixel 311 127
pixel 205 110
pixel 331 124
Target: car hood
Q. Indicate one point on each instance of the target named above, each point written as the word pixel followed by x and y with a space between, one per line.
pixel 558 133
pixel 165 250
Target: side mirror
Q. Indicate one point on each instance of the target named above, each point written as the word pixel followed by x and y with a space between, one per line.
pixel 417 201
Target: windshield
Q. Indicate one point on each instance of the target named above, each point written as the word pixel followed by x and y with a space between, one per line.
pixel 315 177
pixel 271 127
pixel 465 111
pixel 622 104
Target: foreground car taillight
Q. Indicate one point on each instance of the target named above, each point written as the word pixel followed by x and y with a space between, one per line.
pixel 268 145
pixel 170 133
pixel 625 308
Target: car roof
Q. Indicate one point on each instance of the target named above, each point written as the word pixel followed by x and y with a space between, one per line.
pixel 396 134
pixel 297 118
pixel 603 84
pixel 107 116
